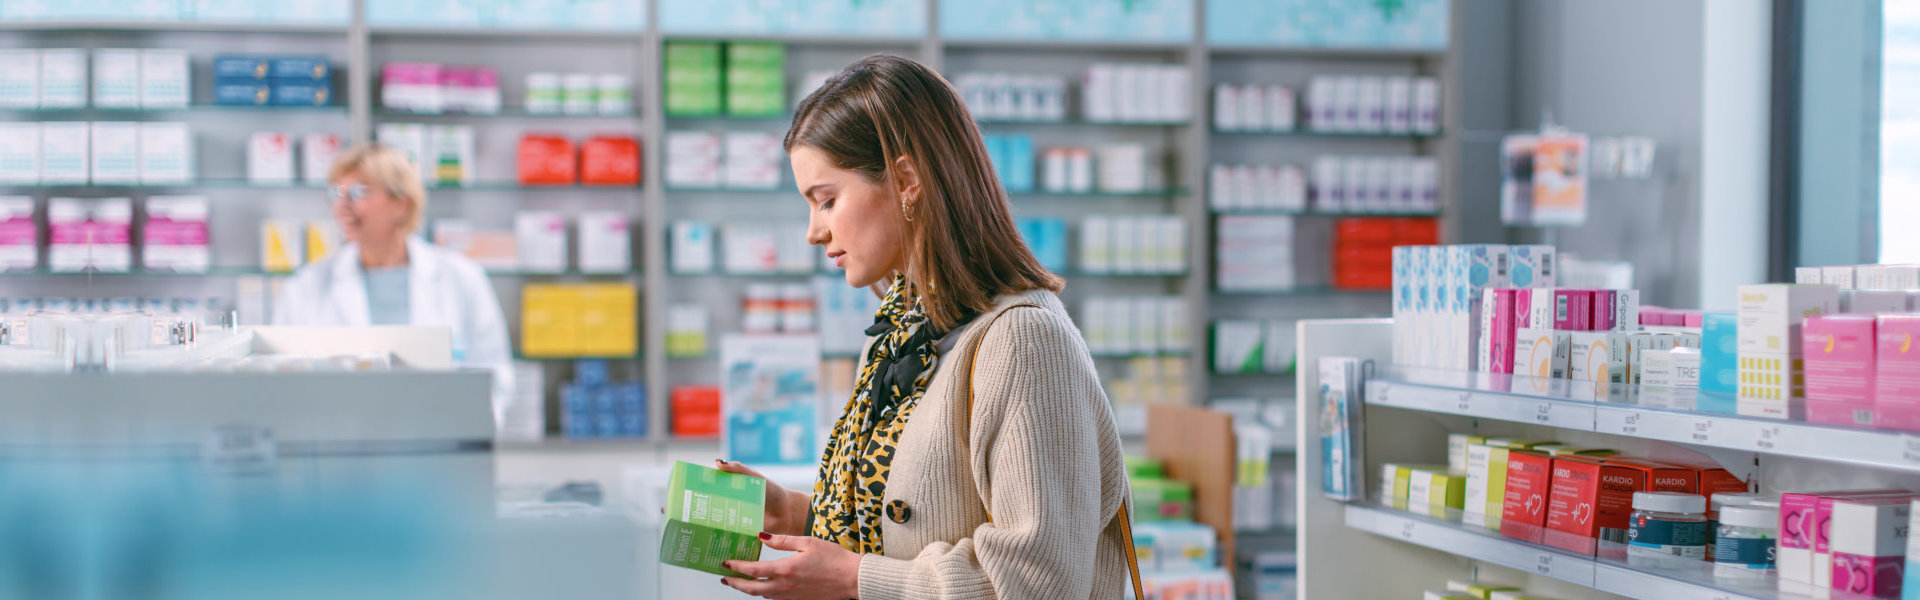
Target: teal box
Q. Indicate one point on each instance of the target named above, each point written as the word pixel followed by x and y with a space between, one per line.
pixel 1719 353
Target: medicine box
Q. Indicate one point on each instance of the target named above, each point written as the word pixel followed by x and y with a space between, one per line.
pixel 239 68
pixel 1896 380
pixel 1457 444
pixel 164 78
pixel 310 68
pixel 19 233
pixel 1769 329
pixel 1839 353
pixel 115 149
pixel 280 246
pixel 175 235
pixel 1843 277
pixel 1806 275
pixel 1435 492
pixel 166 153
pixel 63 78
pixel 1533 266
pixel 20 153
pixel 1873 302
pixel 19 78
pixel 1868 539
pixel 1486 485
pixel 317 153
pixel 1523 511
pixel 270 157
pixel 1590 358
pixel 64 156
pixel 1543 353
pixel 1719 353
pixel 116 78
pixel 1591 500
pixel 605 242
pixel 1823 530
pixel 542 240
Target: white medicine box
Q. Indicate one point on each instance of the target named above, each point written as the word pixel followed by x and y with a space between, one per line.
pixel 270 157
pixel 163 78
pixel 19 153
pixel 166 153
pixel 116 78
pixel 63 78
pixel 19 78
pixel 116 152
pixel 604 242
pixel 63 152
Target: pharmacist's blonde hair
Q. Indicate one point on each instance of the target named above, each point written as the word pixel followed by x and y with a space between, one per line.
pixel 380 165
pixel 962 246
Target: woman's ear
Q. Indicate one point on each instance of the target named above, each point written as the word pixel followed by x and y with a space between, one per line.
pixel 906 181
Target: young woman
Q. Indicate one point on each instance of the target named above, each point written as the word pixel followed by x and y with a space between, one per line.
pixel 978 456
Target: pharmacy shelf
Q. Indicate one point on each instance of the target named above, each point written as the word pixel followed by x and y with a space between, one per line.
pixel 1681 416
pixel 1311 134
pixel 222 108
pixel 715 355
pixel 1254 374
pixel 1304 292
pixel 509 186
pixel 1110 275
pixel 842 41
pixel 780 118
pixel 505 34
pixel 726 274
pixel 962 44
pixel 511 112
pixel 566 273
pixel 563 359
pixel 1156 193
pixel 1322 213
pixel 195 184
pixel 1134 355
pixel 1607 573
pixel 218 271
pixel 179 26
pixel 778 191
pixel 1327 52
pixel 1079 122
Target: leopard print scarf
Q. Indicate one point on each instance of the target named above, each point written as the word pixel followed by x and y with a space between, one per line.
pixel 846 506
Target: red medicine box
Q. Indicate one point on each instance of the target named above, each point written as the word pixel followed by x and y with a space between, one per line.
pixel 610 160
pixel 1663 476
pixel 696 411
pixel 547 160
pixel 1523 509
pixel 1591 500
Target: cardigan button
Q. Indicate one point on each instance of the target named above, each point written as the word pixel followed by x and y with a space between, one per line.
pixel 899 512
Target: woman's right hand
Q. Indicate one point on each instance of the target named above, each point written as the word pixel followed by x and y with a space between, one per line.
pixel 786 509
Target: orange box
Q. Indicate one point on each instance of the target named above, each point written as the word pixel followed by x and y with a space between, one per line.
pixel 1416 232
pixel 1662 476
pixel 1363 231
pixel 1523 509
pixel 547 160
pixel 696 411
pixel 610 160
pixel 1591 500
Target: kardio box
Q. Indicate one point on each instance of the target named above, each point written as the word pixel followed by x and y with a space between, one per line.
pixel 1523 508
pixel 1591 500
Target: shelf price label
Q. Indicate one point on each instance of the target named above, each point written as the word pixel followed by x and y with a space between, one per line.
pixel 1767 439
pixel 1543 413
pixel 1702 431
pixel 1407 529
pixel 1910 449
pixel 1465 403
pixel 1382 393
pixel 1630 424
pixel 1543 564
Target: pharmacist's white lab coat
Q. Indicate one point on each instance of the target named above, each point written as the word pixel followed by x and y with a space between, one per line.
pixel 444 289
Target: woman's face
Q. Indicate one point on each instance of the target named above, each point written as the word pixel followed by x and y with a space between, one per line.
pixel 366 211
pixel 857 221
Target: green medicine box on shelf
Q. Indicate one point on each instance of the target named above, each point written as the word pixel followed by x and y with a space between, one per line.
pixel 755 76
pixel 712 516
pixel 693 82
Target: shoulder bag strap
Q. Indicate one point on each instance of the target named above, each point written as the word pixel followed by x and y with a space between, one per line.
pixel 1126 504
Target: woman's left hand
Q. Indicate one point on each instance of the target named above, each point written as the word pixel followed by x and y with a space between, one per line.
pixel 819 570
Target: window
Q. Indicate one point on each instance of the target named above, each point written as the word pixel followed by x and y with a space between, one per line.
pixel 1900 132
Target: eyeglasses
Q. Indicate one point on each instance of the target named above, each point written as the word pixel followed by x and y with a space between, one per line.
pixel 356 192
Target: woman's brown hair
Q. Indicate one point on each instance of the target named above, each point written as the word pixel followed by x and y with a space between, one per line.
pixel 962 245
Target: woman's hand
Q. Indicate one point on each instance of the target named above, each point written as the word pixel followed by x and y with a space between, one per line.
pixel 786 509
pixel 820 570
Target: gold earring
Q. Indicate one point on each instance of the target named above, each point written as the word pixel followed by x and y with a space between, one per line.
pixel 906 210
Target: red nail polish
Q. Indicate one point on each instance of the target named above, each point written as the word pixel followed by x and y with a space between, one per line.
pixel 726 564
pixel 764 536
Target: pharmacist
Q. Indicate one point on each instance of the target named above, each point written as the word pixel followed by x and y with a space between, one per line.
pixel 385 275
pixel 978 456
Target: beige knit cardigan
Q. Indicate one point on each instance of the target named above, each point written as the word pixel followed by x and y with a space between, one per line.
pixel 1041 454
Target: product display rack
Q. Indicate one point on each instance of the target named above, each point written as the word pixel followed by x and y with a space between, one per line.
pixel 1189 146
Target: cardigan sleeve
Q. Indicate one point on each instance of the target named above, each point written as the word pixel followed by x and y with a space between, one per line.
pixel 1035 450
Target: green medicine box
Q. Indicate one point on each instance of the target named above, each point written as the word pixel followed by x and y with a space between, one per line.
pixel 712 516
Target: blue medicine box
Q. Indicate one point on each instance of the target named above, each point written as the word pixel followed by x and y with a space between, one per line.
pixel 590 371
pixel 302 94
pixel 242 94
pixel 241 67
pixel 310 68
